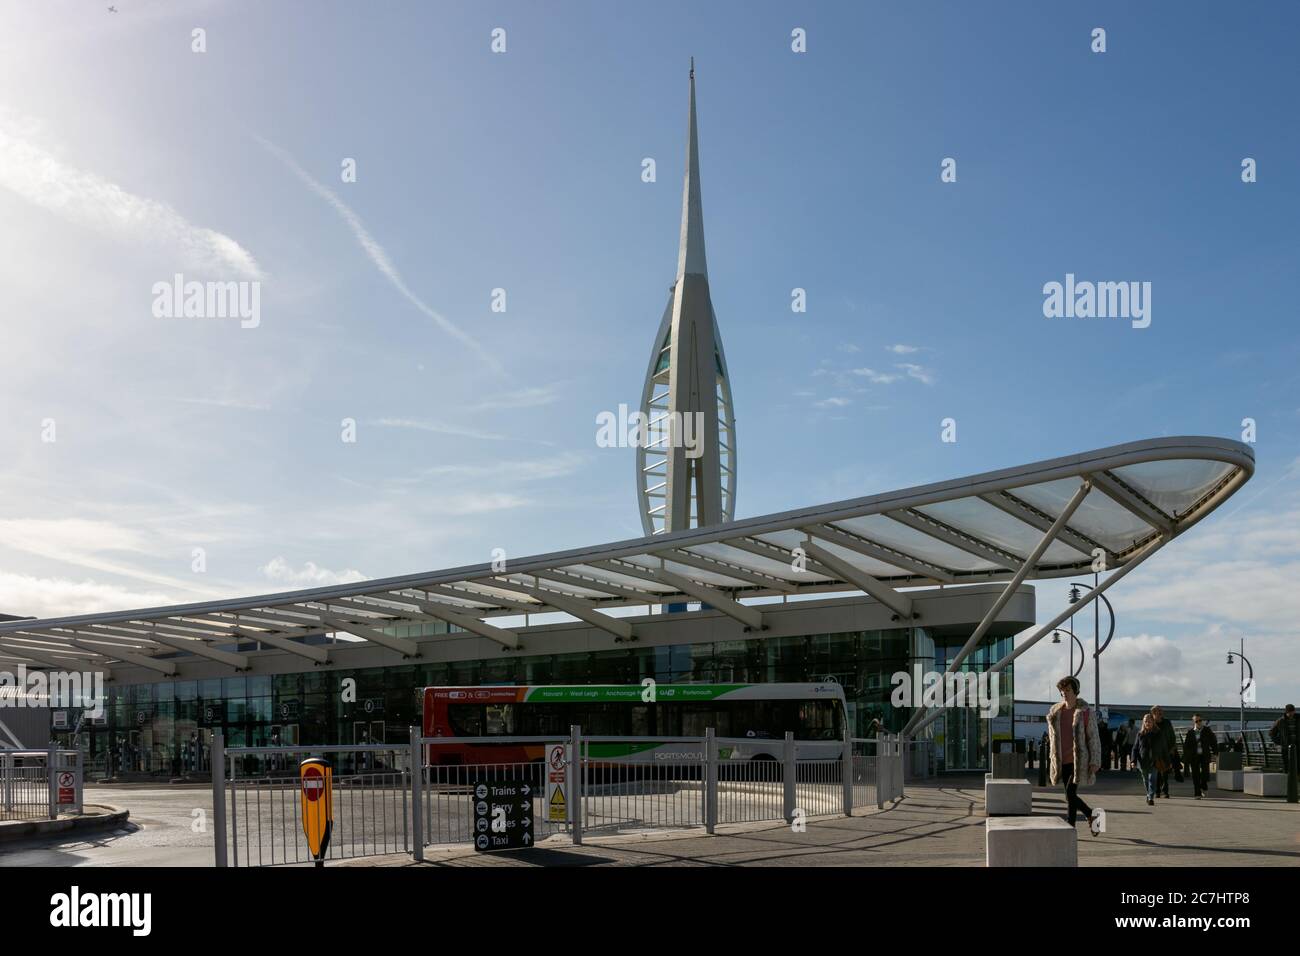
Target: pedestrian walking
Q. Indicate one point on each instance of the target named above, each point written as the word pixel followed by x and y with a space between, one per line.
pixel 1107 743
pixel 1285 732
pixel 1123 744
pixel 1199 746
pixel 1150 754
pixel 1171 749
pixel 1075 750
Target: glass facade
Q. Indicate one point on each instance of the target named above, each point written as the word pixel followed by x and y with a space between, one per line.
pixel 962 738
pixel 164 728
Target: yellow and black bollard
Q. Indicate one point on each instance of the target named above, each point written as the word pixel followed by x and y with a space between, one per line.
pixel 316 777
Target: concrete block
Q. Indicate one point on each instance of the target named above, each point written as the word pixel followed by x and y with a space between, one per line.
pixel 1008 798
pixel 1009 766
pixel 1264 784
pixel 1030 841
pixel 1229 780
pixel 1228 760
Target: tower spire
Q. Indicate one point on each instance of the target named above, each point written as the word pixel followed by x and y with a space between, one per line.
pixel 690 255
pixel 686 466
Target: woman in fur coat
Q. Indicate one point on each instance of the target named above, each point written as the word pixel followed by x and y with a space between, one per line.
pixel 1075 749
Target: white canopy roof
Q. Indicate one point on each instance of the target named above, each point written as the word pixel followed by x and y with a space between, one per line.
pixel 1043 520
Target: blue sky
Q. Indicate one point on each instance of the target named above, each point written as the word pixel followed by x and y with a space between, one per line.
pixel 125 157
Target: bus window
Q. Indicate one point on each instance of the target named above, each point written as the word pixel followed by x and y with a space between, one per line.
pixel 818 720
pixel 466 719
pixel 640 714
pixel 604 720
pixel 546 719
pixel 697 718
pixel 499 720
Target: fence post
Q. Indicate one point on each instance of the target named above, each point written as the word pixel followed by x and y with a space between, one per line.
pixel 7 772
pixel 573 774
pixel 79 780
pixel 52 779
pixel 710 779
pixel 1292 786
pixel 417 797
pixel 881 769
pixel 219 796
pixel 846 766
pixel 788 776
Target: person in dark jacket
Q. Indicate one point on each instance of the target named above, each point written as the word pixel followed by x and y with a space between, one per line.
pixel 1171 751
pixel 1107 743
pixel 1285 732
pixel 1123 745
pixel 1199 748
pixel 1150 754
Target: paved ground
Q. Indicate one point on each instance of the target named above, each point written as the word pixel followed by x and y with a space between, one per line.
pixel 939 823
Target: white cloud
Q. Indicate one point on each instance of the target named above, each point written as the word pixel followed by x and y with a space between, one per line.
pixel 833 402
pixel 918 372
pixel 311 575
pixel 31 596
pixel 92 202
pixel 440 428
pixel 526 398
pixel 902 349
pixel 877 378
pixel 379 256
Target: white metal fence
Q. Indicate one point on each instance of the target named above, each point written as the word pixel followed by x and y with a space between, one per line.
pixel 40 784
pixel 401 799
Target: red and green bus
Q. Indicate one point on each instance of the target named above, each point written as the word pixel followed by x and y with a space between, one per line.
pixel 752 718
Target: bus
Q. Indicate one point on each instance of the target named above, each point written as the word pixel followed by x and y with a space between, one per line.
pixel 751 720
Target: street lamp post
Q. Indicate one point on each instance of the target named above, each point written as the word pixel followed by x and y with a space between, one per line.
pixel 1097 648
pixel 1245 663
pixel 1083 657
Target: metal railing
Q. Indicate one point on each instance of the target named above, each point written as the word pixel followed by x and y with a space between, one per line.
pixel 381 805
pixel 40 784
pixel 258 808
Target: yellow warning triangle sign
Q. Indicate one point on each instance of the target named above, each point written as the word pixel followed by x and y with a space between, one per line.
pixel 557 811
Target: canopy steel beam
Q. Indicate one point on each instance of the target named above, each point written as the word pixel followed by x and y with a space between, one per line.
pixel 281 638
pixel 480 597
pixel 139 660
pixel 196 646
pixel 1017 579
pixel 403 646
pixel 751 617
pixel 579 609
pixel 57 663
pixel 1008 503
pixel 1132 502
pixel 722 569
pixel 870 549
pixel 964 541
pixel 610 588
pixel 465 620
pixel 900 604
pixel 774 552
pixel 1150 548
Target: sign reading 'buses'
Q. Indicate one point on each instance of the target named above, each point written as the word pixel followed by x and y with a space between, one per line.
pixel 503 815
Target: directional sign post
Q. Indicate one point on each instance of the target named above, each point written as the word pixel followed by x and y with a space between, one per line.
pixel 317 779
pixel 503 815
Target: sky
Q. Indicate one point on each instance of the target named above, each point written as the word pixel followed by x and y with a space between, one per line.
pixel 127 157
